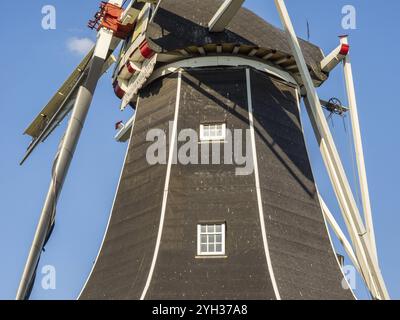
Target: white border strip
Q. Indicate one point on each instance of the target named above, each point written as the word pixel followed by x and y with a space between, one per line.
pixel 226 61
pixel 112 207
pixel 258 189
pixel 214 61
pixel 166 187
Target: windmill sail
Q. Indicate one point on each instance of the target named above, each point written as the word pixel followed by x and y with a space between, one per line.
pixel 106 43
pixel 35 129
pixel 60 104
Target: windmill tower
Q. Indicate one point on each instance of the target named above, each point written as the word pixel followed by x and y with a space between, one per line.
pixel 216 198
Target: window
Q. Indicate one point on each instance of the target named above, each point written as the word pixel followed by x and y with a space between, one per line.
pixel 211 239
pixel 213 132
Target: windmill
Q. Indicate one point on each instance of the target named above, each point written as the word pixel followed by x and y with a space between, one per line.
pixel 210 230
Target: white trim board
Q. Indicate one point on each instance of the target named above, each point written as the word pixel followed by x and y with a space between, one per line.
pixel 166 188
pixel 258 188
pixel 200 62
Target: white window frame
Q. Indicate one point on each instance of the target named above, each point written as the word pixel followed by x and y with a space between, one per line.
pixel 204 138
pixel 200 233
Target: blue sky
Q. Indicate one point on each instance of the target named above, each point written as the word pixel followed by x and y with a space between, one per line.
pixel 35 62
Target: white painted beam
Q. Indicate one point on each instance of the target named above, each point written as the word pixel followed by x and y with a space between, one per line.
pixel 362 173
pixel 224 15
pixel 339 233
pixel 105 42
pixel 366 258
pixel 334 58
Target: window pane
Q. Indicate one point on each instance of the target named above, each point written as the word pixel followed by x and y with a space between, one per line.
pixel 212 132
pixel 211 239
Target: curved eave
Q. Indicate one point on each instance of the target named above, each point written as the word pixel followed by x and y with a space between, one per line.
pixel 183 26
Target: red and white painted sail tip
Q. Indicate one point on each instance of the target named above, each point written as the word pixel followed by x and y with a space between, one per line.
pixel 119 125
pixel 119 92
pixel 344 50
pixel 145 50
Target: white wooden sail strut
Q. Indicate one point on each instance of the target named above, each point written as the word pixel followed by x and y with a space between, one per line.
pixel 365 255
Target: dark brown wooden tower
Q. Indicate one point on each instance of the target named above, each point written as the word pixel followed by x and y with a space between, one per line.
pixel 266 230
